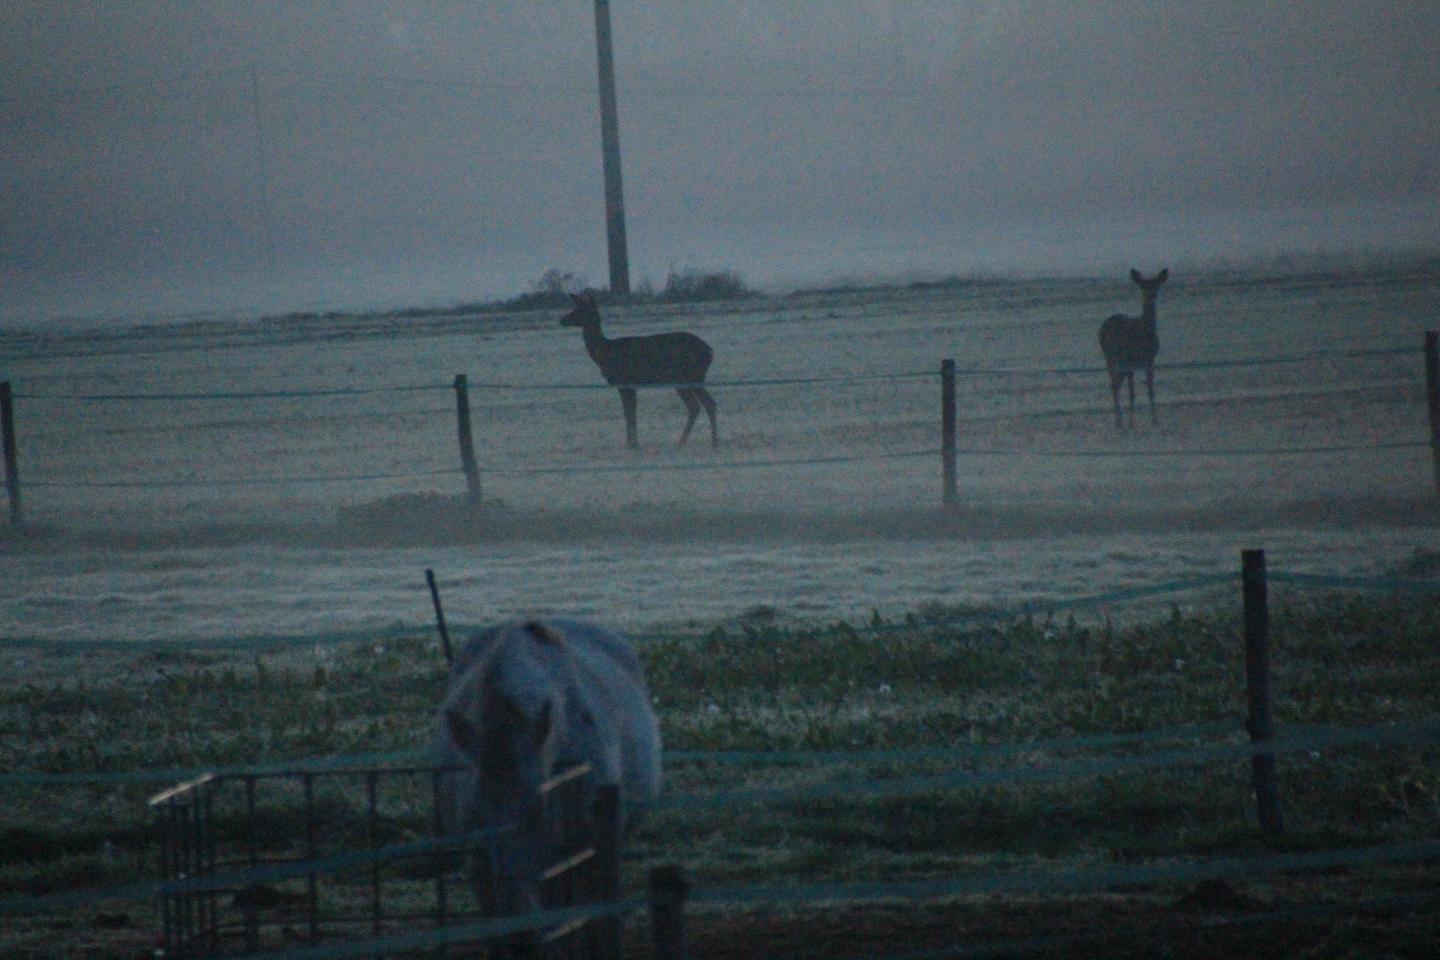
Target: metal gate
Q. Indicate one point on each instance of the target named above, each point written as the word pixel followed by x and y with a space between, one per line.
pixel 289 858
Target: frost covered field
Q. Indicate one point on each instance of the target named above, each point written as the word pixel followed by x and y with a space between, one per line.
pixel 306 512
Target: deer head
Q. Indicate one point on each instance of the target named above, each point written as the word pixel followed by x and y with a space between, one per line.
pixel 1149 289
pixel 585 309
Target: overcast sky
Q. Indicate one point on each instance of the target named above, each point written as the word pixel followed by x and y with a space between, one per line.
pixel 429 152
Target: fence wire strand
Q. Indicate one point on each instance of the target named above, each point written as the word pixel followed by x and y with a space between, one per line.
pixel 1314 738
pixel 404 631
pixel 239 481
pixel 1319 355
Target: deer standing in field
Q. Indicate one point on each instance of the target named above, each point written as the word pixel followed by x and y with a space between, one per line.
pixel 1131 343
pixel 663 359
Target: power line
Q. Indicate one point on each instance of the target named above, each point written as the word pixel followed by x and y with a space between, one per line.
pixel 466 85
pixel 122 86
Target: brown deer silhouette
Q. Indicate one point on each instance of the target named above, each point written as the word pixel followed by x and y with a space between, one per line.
pixel 663 359
pixel 1131 343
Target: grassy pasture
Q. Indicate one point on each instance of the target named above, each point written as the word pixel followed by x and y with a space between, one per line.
pixel 769 683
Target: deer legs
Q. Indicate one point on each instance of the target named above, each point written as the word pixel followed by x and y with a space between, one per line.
pixel 1150 389
pixel 708 402
pixel 627 403
pixel 695 398
pixel 692 411
pixel 1118 379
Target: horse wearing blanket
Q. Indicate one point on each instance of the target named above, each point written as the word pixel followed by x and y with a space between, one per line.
pixel 526 700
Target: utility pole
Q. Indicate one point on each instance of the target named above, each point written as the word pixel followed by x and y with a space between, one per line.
pixel 610 146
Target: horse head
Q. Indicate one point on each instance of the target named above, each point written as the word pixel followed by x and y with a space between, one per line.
pixel 508 721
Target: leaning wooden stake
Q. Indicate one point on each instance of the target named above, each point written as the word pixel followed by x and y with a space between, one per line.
pixel 1257 682
pixel 467 440
pixel 7 443
pixel 951 497
pixel 439 616
pixel 1432 396
pixel 668 890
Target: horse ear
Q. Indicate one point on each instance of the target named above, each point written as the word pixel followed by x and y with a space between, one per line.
pixel 1164 275
pixel 462 731
pixel 577 299
pixel 1135 275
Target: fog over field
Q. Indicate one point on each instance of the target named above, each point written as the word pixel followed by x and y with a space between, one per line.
pixel 167 157
pixel 296 477
pixel 944 635
pixel 220 216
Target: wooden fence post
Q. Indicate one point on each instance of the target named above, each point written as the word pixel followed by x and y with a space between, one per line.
pixel 1432 397
pixel 467 440
pixel 7 444
pixel 668 890
pixel 951 498
pixel 1257 684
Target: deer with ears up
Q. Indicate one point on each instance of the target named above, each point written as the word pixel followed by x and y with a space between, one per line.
pixel 663 359
pixel 1131 343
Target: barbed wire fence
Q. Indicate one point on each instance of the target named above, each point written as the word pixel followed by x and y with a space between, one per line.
pixel 472 465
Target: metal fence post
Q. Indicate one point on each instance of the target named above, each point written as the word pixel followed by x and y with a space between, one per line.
pixel 1257 682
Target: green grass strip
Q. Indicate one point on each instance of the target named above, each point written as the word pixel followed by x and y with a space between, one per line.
pixel 254 642
pixel 971 751
pixel 365 761
pixel 1065 881
pixel 330 764
pixel 1312 739
pixel 281 641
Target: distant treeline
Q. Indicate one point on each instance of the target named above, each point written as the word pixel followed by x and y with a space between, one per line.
pixel 953 282
pixel 553 289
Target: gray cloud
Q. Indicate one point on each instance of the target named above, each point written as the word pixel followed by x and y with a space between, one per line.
pixel 422 151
